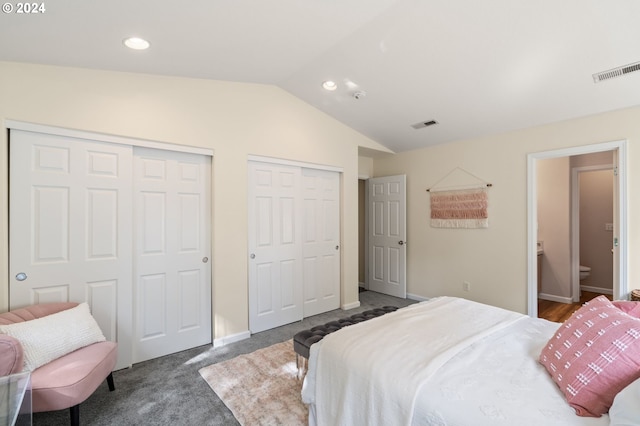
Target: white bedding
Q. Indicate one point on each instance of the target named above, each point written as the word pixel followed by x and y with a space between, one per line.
pixel 493 379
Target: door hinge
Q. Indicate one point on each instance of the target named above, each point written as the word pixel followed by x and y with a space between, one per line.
pixel 615 171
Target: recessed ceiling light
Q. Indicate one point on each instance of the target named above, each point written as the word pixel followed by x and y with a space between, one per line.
pixel 330 85
pixel 136 43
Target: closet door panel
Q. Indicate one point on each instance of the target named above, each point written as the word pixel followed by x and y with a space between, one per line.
pixel 321 248
pixel 275 266
pixel 172 273
pixel 70 228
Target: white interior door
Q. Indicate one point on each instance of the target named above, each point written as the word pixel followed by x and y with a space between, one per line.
pixel 172 249
pixel 275 246
pixel 321 240
pixel 387 243
pixel 70 227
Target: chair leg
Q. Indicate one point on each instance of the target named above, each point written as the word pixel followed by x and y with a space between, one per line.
pixel 112 385
pixel 74 413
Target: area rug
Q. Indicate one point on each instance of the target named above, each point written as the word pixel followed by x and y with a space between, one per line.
pixel 260 388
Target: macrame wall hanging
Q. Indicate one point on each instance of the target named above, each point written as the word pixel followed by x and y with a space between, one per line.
pixel 460 205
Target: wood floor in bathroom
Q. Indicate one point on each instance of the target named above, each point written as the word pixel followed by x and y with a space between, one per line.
pixel 560 312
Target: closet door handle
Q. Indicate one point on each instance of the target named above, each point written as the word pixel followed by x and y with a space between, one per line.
pixel 402 243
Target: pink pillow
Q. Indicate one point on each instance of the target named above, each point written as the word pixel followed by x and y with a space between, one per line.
pixel 593 356
pixel 632 308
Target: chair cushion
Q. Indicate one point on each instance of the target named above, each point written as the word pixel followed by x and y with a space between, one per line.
pixel 71 379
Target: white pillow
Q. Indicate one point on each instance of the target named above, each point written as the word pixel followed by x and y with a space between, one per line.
pixel 50 337
pixel 625 410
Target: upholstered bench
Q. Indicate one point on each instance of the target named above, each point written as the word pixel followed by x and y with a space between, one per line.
pixel 303 340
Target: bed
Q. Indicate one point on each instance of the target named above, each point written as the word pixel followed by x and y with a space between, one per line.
pixel 448 361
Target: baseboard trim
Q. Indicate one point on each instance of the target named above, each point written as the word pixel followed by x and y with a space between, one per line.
pixel 596 289
pixel 416 297
pixel 222 341
pixel 348 306
pixel 554 298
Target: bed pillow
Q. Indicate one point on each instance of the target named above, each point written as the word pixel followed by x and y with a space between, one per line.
pixel 632 308
pixel 625 410
pixel 593 356
pixel 52 336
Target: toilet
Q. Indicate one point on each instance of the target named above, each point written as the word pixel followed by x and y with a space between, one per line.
pixel 585 271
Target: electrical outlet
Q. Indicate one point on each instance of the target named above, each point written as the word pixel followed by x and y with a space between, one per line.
pixel 466 285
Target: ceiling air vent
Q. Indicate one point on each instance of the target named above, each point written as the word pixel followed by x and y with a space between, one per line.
pixel 423 124
pixel 616 72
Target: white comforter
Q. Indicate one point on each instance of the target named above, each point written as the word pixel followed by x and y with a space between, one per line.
pixel 442 362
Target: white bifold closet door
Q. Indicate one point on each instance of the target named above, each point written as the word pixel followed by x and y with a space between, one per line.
pixel 72 234
pixel 294 252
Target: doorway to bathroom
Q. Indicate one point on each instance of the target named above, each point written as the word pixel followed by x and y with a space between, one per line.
pixel 553 232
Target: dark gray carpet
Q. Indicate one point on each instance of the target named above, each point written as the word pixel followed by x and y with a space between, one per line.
pixel 170 391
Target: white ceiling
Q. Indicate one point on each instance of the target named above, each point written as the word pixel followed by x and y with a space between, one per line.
pixel 477 67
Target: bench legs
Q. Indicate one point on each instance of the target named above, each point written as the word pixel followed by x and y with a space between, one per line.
pixel 301 364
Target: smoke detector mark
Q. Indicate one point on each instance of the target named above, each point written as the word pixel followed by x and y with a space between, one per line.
pixel 616 72
pixel 424 124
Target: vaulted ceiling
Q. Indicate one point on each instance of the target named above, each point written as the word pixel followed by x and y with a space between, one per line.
pixel 476 68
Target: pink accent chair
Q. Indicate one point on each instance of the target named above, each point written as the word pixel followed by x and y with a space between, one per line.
pixel 64 382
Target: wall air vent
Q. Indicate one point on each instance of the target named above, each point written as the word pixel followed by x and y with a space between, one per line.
pixel 616 72
pixel 423 124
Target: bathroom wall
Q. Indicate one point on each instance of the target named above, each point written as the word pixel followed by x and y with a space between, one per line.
pixel 594 159
pixel 596 210
pixel 554 228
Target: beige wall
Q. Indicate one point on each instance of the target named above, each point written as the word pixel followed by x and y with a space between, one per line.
pixel 593 159
pixel 554 226
pixel 494 260
pixel 233 119
pixel 365 167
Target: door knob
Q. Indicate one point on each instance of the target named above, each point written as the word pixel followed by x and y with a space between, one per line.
pixel 337 247
pixel 205 259
pixel 402 242
pixel 252 255
pixel 21 276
